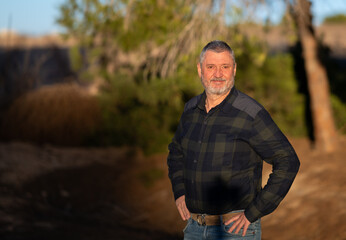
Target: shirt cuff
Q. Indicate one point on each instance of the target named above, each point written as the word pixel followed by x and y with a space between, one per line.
pixel 179 190
pixel 178 194
pixel 252 213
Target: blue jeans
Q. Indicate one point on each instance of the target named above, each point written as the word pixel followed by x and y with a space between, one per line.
pixel 195 231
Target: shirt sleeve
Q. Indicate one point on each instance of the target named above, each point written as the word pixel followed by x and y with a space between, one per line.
pixel 175 163
pixel 274 148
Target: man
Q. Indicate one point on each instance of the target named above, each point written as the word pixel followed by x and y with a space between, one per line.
pixel 216 156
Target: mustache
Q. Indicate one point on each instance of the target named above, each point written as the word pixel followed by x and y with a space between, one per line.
pixel 218 79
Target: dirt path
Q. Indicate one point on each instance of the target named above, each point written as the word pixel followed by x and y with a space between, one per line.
pixel 53 193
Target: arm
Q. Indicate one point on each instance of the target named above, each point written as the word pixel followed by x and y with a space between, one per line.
pixel 274 148
pixel 175 164
pixel 175 173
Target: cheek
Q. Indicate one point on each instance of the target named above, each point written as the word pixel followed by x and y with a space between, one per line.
pixel 205 81
pixel 207 75
pixel 230 76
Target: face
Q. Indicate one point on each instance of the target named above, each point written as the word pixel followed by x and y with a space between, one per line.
pixel 217 72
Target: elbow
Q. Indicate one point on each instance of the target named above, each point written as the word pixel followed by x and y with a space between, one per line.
pixel 297 163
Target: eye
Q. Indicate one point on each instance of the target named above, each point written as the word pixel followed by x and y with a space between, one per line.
pixel 210 67
pixel 225 66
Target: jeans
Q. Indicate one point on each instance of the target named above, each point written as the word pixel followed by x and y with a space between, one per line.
pixel 195 231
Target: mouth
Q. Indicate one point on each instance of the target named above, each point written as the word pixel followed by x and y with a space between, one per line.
pixel 218 80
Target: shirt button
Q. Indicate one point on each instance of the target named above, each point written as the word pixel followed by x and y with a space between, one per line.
pixel 199 141
pixel 195 160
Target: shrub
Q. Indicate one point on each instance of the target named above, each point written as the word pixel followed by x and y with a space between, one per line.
pixel 139 114
pixel 339 110
pixel 62 114
pixel 339 18
pixel 273 84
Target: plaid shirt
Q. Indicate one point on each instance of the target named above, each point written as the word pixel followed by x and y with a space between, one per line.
pixel 216 158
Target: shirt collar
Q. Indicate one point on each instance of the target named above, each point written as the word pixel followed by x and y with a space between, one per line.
pixel 201 102
pixel 225 105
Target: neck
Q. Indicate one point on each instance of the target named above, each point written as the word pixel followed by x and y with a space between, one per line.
pixel 213 100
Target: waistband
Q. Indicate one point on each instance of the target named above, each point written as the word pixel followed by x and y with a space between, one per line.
pixel 212 220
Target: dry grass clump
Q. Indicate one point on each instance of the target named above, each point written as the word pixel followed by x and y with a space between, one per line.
pixel 11 39
pixel 62 114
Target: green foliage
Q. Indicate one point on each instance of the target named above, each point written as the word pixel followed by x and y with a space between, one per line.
pixel 76 59
pixel 135 111
pixel 339 18
pixel 144 111
pixel 273 84
pixel 154 22
pixel 147 21
pixel 83 19
pixel 140 114
pixel 339 110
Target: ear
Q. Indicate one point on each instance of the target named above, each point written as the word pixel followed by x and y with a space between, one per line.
pixel 235 69
pixel 199 70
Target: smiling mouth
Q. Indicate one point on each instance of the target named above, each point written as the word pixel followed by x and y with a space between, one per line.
pixel 217 81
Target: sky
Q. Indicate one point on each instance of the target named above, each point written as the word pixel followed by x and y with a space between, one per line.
pixel 32 17
pixel 37 17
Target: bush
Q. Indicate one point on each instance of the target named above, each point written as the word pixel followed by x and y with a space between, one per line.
pixel 274 85
pixel 61 114
pixel 146 113
pixel 339 18
pixel 139 114
pixel 339 110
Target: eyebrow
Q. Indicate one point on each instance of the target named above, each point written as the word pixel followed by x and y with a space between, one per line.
pixel 223 64
pixel 220 63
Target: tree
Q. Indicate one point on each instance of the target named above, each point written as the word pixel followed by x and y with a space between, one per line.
pixel 136 35
pixel 144 54
pixel 132 50
pixel 318 84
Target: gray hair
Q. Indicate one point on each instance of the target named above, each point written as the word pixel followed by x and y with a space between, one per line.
pixel 216 46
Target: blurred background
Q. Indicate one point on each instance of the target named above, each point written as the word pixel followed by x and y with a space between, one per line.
pixel 91 92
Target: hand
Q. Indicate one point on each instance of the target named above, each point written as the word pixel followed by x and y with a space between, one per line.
pixel 181 205
pixel 239 222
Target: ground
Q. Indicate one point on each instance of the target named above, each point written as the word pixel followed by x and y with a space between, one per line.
pixel 49 192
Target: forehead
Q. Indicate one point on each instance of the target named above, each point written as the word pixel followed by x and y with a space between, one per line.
pixel 212 57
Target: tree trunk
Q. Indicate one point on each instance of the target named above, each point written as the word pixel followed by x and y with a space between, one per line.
pixel 318 85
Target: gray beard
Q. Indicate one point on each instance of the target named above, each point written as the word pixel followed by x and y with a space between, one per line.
pixel 217 91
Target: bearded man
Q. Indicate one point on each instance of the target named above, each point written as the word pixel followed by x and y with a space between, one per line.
pixel 216 157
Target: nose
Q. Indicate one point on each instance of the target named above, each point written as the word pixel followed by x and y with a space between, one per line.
pixel 218 72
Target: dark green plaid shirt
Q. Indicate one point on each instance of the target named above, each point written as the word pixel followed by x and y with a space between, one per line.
pixel 216 158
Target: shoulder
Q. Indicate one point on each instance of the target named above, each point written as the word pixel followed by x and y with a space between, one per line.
pixel 247 104
pixel 192 103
